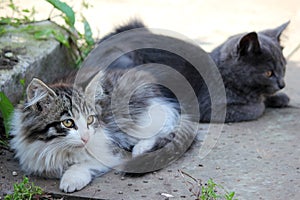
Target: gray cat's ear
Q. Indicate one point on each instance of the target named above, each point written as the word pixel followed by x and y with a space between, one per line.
pixel 37 91
pixel 276 32
pixel 248 44
pixel 94 88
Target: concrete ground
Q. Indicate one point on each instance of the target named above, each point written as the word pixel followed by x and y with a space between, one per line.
pixel 258 159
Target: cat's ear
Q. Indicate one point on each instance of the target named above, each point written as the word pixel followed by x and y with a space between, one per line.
pixel 276 32
pixel 94 89
pixel 38 91
pixel 248 44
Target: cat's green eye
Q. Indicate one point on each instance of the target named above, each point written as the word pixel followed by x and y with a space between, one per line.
pixel 68 123
pixel 90 119
pixel 268 73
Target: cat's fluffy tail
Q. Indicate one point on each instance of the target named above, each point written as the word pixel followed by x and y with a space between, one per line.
pixel 132 24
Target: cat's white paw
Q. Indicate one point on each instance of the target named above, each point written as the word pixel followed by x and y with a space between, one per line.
pixel 142 146
pixel 72 181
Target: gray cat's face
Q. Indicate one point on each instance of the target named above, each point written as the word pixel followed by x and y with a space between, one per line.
pixel 263 68
pixel 254 61
pixel 59 115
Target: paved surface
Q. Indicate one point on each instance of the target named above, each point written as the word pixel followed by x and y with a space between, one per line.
pixel 258 159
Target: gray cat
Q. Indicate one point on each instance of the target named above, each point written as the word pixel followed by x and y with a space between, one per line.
pixel 252 67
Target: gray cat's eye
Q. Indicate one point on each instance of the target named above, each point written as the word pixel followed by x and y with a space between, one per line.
pixel 268 73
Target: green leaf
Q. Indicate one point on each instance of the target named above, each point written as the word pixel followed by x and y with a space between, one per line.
pixel 5 20
pixel 6 109
pixel 85 4
pixel 26 11
pixel 13 6
pixel 3 143
pixel 88 34
pixel 229 196
pixel 2 30
pixel 61 38
pixel 66 9
pixel 22 82
pixel 43 34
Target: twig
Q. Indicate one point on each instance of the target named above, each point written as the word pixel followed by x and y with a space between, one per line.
pixel 196 192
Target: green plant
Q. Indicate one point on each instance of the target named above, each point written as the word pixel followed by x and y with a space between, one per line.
pixel 207 191
pixel 82 42
pixel 18 16
pixel 210 191
pixel 6 108
pixel 25 190
pixel 79 43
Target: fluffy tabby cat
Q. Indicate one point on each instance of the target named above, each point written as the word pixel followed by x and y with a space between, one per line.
pixel 252 67
pixel 65 132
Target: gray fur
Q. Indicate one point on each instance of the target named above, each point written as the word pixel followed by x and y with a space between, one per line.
pixel 242 61
pixel 118 85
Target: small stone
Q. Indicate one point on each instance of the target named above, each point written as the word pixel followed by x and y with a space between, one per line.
pixel 122 178
pixel 8 54
pixel 145 181
pixel 14 173
pixel 120 192
pixel 167 195
pixel 169 170
pixel 160 178
pixel 129 184
pixel 136 190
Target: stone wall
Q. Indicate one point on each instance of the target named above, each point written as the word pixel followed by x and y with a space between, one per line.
pixel 23 57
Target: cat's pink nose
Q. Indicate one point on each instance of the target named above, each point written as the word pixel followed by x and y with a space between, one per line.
pixel 85 139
